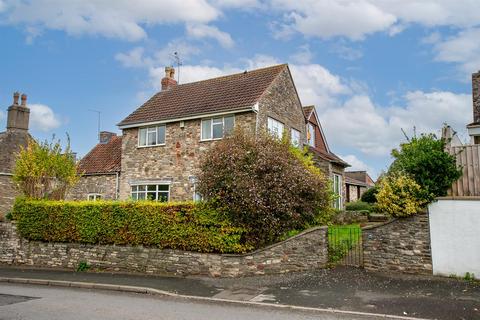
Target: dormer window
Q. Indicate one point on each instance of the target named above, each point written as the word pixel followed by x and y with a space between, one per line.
pixel 311 134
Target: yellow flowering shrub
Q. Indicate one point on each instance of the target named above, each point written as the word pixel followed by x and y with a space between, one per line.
pixel 400 196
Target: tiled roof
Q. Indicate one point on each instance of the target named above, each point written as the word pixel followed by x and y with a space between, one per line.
pixel 103 158
pixel 228 93
pixel 332 157
pixel 352 181
pixel 307 110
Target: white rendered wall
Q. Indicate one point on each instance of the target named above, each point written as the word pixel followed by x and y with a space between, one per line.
pixel 455 236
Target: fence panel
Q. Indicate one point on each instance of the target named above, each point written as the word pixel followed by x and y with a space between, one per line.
pixel 468 157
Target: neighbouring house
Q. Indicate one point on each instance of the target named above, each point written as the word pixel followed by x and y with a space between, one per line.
pixel 11 141
pixel 162 141
pixel 100 170
pixel 356 183
pixel 330 163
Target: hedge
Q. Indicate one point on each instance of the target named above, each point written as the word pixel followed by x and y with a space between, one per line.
pixel 185 226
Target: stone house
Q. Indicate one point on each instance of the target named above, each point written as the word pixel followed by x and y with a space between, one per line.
pixel 162 141
pixel 11 141
pixel 356 183
pixel 100 170
pixel 325 159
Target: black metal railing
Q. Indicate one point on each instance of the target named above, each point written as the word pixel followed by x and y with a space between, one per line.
pixel 345 245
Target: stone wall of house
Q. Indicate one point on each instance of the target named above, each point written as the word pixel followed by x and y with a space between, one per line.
pixel 401 245
pixel 104 184
pixel 176 162
pixel 280 102
pixel 306 251
pixel 7 194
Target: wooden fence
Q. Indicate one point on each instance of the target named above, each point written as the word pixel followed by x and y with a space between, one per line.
pixel 468 157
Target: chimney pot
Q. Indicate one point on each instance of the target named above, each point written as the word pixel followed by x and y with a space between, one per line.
pixel 24 100
pixel 16 95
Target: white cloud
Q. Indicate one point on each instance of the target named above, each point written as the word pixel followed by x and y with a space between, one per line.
pixel 114 19
pixel 462 49
pixel 325 19
pixel 355 19
pixel 43 118
pixel 3 6
pixel 303 55
pixel 201 31
pixel 134 58
pixel 375 130
pixel 357 165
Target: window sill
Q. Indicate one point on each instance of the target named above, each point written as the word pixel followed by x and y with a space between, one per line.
pixel 157 145
pixel 207 140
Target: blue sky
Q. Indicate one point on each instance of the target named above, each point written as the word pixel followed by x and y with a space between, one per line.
pixel 372 67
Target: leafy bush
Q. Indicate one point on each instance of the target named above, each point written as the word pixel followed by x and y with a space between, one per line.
pixel 400 196
pixel 424 160
pixel 45 170
pixel 358 206
pixel 264 185
pixel 370 195
pixel 186 226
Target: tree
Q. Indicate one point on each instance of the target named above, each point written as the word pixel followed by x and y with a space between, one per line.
pixel 263 184
pixel 44 170
pixel 425 160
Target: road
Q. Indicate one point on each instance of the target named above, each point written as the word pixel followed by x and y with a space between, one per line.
pixel 51 303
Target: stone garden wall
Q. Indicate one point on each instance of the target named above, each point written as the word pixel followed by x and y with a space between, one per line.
pixel 401 245
pixel 305 251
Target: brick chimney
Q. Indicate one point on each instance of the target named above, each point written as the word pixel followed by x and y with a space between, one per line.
pixel 106 136
pixel 18 114
pixel 169 80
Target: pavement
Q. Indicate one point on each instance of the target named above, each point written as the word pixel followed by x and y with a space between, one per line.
pixel 341 289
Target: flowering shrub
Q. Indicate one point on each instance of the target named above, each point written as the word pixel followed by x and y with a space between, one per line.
pixel 400 196
pixel 263 185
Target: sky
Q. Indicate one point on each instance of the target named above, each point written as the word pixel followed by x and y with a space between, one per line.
pixel 373 68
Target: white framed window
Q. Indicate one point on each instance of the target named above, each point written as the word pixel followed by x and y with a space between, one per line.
pixel 216 128
pixel 153 192
pixel 337 189
pixel 94 196
pixel 151 136
pixel 295 137
pixel 311 134
pixel 275 127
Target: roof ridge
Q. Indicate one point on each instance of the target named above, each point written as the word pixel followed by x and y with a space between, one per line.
pixel 231 75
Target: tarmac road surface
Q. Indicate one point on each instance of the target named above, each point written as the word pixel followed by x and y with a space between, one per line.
pixel 19 301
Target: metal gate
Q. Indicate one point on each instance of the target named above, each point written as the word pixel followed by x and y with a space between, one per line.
pixel 345 245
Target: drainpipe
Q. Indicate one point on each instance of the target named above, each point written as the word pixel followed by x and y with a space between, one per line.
pixel 117 184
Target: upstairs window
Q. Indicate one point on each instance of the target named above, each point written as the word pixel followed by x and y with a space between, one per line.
pixel 311 135
pixel 152 192
pixel 217 128
pixel 295 137
pixel 275 127
pixel 151 136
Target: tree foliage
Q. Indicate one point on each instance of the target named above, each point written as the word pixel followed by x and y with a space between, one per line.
pixel 425 160
pixel 45 170
pixel 400 196
pixel 370 195
pixel 263 184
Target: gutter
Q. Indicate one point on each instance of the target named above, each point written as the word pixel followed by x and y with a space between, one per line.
pixel 199 116
pixel 6 174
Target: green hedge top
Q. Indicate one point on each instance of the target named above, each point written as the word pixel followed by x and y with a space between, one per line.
pixel 185 226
